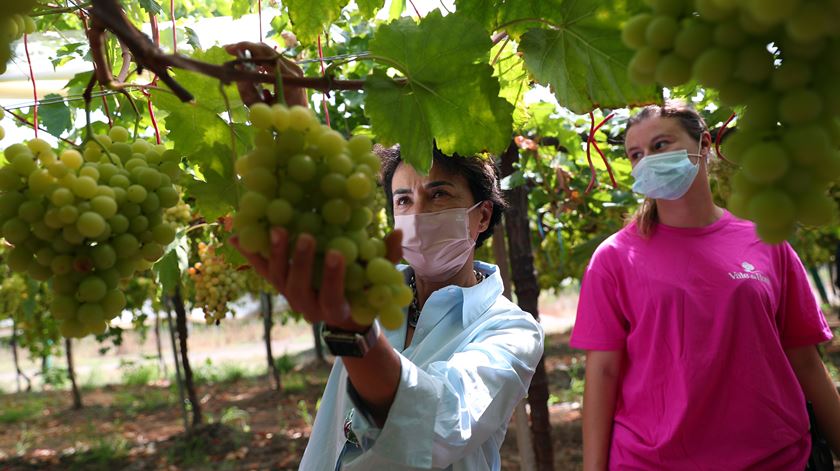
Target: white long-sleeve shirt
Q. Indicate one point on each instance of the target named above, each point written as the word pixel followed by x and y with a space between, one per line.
pixel 469 363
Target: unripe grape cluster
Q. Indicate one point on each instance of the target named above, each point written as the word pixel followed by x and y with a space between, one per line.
pixel 216 283
pixel 85 221
pixel 13 25
pixel 305 177
pixel 780 60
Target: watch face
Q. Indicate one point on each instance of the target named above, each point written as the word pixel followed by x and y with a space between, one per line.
pixel 344 346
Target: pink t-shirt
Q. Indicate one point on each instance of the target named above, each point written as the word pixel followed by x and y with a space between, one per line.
pixel 704 315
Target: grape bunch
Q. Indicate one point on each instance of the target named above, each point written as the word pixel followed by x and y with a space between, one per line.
pixel 307 178
pixel 13 25
pixel 85 221
pixel 779 59
pixel 180 214
pixel 216 283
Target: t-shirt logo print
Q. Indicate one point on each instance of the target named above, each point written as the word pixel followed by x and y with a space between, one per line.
pixel 749 273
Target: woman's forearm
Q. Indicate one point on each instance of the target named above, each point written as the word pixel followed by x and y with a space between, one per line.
pixel 376 378
pixel 599 398
pixel 819 389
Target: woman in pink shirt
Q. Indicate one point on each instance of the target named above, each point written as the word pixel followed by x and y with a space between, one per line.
pixel 699 337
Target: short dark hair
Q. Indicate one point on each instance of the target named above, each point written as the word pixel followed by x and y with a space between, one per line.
pixel 480 172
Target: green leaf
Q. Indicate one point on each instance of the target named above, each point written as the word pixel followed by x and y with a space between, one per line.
pixel 397 9
pixel 585 63
pixel 451 96
pixel 511 15
pixel 369 8
pixel 56 116
pixel 311 17
pixel 174 262
pixel 192 38
pixel 151 6
pixel 239 8
pixel 215 196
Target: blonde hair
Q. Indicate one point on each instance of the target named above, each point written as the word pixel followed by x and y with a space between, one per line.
pixel 646 216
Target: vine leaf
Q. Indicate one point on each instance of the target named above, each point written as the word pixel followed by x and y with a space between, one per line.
pixel 174 262
pixel 56 117
pixel 151 6
pixel 451 97
pixel 310 17
pixel 584 60
pixel 369 8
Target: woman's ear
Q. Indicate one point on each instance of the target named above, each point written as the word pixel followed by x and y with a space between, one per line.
pixel 706 144
pixel 485 211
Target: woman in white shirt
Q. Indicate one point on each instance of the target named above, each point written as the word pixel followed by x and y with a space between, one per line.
pixel 438 392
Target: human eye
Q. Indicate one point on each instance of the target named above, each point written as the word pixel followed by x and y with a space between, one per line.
pixel 402 200
pixel 439 194
pixel 659 145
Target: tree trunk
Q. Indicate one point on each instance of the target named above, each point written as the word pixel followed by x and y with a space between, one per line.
pixel 181 317
pixel 268 323
pixel 527 295
pixel 77 398
pixel 179 380
pixel 319 346
pixel 162 370
pixel 18 372
pixel 527 459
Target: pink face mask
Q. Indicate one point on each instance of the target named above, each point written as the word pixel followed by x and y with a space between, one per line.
pixel 436 245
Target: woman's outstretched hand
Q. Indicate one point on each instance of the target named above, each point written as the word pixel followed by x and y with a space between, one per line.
pixel 249 92
pixel 290 271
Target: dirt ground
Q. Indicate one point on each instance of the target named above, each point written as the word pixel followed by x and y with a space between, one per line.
pixel 252 427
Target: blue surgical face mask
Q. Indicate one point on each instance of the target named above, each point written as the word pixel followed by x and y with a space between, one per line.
pixel 666 176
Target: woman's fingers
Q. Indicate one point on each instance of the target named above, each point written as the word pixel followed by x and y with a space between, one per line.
pixel 278 262
pixel 336 311
pixel 298 289
pixel 259 264
pixel 393 246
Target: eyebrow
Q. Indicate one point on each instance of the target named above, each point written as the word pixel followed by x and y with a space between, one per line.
pixel 428 186
pixel 655 138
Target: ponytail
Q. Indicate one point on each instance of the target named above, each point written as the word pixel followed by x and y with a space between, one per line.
pixel 645 218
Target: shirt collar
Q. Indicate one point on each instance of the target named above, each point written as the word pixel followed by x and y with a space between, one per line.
pixel 472 301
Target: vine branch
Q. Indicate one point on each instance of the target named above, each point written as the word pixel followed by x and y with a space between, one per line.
pixel 108 15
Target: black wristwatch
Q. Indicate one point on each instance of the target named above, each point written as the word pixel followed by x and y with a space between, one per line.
pixel 343 343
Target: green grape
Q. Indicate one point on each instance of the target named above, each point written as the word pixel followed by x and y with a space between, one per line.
pixel 754 64
pixel 772 12
pixel 800 106
pixel 138 224
pixel 761 112
pixel 346 247
pixel 809 23
pixel 772 208
pixel 136 193
pixel 260 181
pixel 775 235
pixel 104 205
pixel 126 245
pixel 807 144
pixel 113 303
pixel 91 315
pixel 331 143
pixel 360 218
pixel 336 211
pixel 9 179
pixel 729 34
pixel 24 164
pixel 792 73
pixel 104 256
pixel 735 92
pixel 714 67
pixel 84 187
pixel 164 234
pixel 711 10
pixel 302 168
pixel 90 224
pixel 63 307
pixel 118 134
pixel 814 208
pixel 31 211
pixel 661 32
pixel 151 204
pixel 280 117
pixel 340 164
pixel 152 251
pixel 694 38
pixel 279 212
pixel 391 317
pixel 254 239
pixel 253 205
pixel 765 162
pixel 359 186
pixel 19 259
pixel 15 231
pixel 633 33
pixel 261 116
pixel 71 159
pixel 673 70
pixel 92 289
pixel 644 63
pixel 359 146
